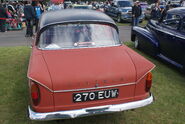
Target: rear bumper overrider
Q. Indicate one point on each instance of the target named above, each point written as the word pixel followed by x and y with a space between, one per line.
pixel 88 111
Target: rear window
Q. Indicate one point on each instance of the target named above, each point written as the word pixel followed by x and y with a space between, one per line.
pixel 73 36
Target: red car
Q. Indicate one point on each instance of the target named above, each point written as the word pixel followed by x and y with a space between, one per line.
pixel 78 67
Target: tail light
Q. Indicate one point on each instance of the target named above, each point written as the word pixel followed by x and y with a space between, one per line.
pixel 35 93
pixel 148 82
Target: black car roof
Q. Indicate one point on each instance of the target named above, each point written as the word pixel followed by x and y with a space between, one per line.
pixel 178 10
pixel 73 15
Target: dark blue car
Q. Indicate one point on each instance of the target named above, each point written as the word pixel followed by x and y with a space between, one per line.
pixel 165 39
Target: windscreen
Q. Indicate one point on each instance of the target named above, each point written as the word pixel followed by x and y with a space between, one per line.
pixel 73 36
pixel 124 4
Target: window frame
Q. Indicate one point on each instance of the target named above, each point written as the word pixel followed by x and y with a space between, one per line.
pixel 88 22
pixel 165 21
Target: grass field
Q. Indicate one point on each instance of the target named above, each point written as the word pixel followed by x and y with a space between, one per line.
pixel 168 89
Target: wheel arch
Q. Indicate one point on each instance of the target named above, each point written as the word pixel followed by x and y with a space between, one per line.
pixel 147 38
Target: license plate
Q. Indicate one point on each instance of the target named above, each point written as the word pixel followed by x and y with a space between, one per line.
pixel 95 95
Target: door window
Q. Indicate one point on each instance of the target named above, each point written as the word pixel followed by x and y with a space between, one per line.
pixel 171 21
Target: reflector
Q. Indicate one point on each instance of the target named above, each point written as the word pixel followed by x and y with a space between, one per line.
pixel 148 81
pixel 149 76
pixel 35 93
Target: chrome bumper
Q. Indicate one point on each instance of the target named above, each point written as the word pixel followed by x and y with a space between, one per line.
pixel 89 111
pixel 127 19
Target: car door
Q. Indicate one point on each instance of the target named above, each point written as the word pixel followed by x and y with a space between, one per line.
pixel 179 47
pixel 167 37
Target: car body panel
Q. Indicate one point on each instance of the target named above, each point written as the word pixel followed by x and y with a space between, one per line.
pixel 64 101
pixel 38 69
pixel 88 65
pixel 139 61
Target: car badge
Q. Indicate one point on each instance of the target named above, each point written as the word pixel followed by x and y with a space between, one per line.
pixel 96 85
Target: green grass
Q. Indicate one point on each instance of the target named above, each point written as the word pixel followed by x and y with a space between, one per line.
pixel 168 89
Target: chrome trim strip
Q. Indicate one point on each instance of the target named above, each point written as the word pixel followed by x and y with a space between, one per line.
pixel 89 111
pixel 145 74
pixel 132 83
pixel 44 49
pixel 84 89
pixel 170 61
pixel 40 84
pixel 57 91
pixel 180 37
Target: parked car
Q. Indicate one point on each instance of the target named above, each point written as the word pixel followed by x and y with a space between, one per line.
pixel 174 3
pixel 165 39
pixel 79 6
pixel 78 67
pixel 121 10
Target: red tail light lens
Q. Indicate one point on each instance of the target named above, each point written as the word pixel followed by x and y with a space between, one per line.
pixel 148 81
pixel 35 93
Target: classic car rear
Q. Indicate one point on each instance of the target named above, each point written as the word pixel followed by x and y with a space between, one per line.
pixel 78 67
